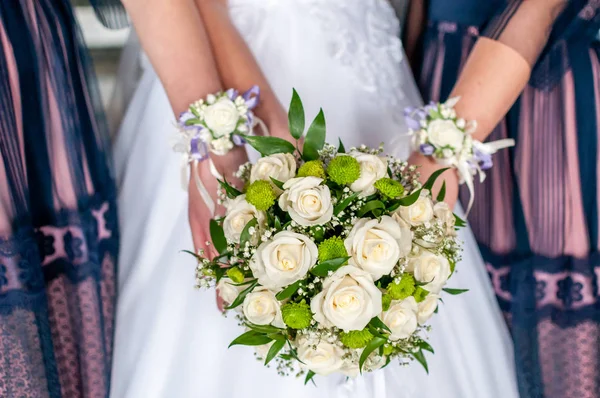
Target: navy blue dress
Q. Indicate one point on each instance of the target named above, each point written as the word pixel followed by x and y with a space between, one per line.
pixel 58 224
pixel 536 216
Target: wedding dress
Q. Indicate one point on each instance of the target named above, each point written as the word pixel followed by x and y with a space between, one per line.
pixel 171 341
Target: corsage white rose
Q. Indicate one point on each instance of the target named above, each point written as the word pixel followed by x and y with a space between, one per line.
pixel 221 117
pixel 444 133
pixel 283 260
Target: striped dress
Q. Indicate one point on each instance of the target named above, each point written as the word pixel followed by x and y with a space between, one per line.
pixel 536 217
pixel 58 232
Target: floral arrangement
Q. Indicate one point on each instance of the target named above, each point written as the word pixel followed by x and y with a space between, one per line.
pixel 439 132
pixel 333 260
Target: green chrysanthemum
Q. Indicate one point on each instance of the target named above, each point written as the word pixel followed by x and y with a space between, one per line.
pixel 332 248
pixel 343 170
pixel 312 168
pixel 386 301
pixel 260 194
pixel 296 315
pixel 235 274
pixel 420 294
pixel 403 289
pixel 388 187
pixel 356 338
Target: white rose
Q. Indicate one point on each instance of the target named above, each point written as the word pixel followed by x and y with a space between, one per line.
pixel 444 133
pixel 322 358
pixel 239 213
pixel 376 246
pixel 281 166
pixel 401 318
pixel 221 117
pixel 349 299
pixel 228 291
pixel 373 362
pixel 419 212
pixel 431 269
pixel 262 308
pixel 444 214
pixel 372 168
pixel 263 350
pixel 221 146
pixel 407 235
pixel 283 260
pixel 427 308
pixel 307 201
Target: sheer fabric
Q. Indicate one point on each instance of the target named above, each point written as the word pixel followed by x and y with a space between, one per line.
pixel 58 233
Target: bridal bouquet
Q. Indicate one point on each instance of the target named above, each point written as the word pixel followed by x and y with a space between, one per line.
pixel 333 260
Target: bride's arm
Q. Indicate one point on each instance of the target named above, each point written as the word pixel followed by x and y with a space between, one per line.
pixel 237 66
pixel 497 71
pixel 173 36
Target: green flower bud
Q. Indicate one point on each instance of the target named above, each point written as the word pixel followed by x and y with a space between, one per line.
pixel 388 187
pixel 343 170
pixel 296 315
pixel 312 168
pixel 235 274
pixel 420 294
pixel 332 248
pixel 403 289
pixel 260 194
pixel 356 338
pixel 388 349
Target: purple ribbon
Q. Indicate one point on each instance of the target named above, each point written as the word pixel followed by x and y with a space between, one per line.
pixel 252 97
pixel 198 149
pixel 426 149
pixel 484 159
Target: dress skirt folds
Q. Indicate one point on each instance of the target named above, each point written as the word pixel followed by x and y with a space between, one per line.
pixel 536 217
pixel 58 232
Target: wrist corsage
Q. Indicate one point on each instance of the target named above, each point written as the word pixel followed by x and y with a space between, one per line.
pixel 438 132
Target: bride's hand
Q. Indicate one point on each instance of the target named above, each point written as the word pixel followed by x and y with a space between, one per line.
pixel 428 166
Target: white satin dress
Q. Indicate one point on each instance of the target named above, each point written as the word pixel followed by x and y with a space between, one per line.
pixel 171 341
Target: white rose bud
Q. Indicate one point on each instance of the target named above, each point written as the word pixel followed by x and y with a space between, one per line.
pixel 228 291
pixel 283 260
pixel 372 168
pixel 418 213
pixel 323 358
pixel 401 318
pixel 431 269
pixel 349 299
pixel 376 246
pixel 262 308
pixel 442 212
pixel 281 166
pixel 307 201
pixel 444 133
pixel 427 308
pixel 221 145
pixel 239 213
pixel 221 117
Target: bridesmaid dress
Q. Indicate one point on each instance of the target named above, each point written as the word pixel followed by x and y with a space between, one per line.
pixel 58 229
pixel 536 217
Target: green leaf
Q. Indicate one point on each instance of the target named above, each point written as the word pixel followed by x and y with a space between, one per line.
pixel 309 377
pixel 240 298
pixel 231 192
pixel 378 323
pixel 251 338
pixel 193 121
pixel 432 178
pixel 243 283
pixel 344 203
pixel 245 235
pixel 372 345
pixel 315 138
pixel 455 292
pixel 277 223
pixel 370 206
pixel 426 346
pixel 274 350
pixel 293 353
pixel 442 193
pixel 269 145
pixel 324 267
pixel 277 183
pixel 296 118
pixel 410 199
pixel 288 291
pixel 192 253
pixel 420 357
pixel 266 329
pixel 341 148
pixel 459 222
pixel 217 236
pixel 219 273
